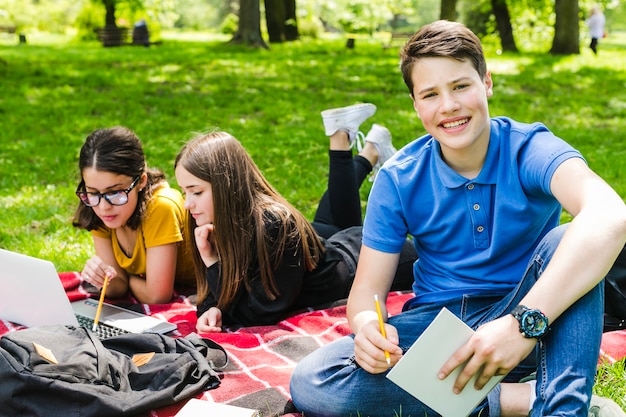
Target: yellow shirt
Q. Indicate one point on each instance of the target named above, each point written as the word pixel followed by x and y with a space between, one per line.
pixel 165 222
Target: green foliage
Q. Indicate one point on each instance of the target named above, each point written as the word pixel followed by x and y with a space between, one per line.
pixel 533 20
pixel 90 17
pixel 478 17
pixel 311 27
pixel 367 17
pixel 230 24
pixel 194 15
pixel 39 15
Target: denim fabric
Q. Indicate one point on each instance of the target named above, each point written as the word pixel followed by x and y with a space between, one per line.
pixel 329 383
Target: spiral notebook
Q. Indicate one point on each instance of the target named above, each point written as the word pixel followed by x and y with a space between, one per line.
pixel 416 372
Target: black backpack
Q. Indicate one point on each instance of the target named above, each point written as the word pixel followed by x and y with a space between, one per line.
pixel 121 376
pixel 615 295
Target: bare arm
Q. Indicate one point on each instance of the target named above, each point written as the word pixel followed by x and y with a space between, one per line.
pixel 374 275
pixel 158 285
pixel 585 254
pixel 591 244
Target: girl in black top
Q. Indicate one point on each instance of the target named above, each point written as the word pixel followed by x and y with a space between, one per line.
pixel 257 258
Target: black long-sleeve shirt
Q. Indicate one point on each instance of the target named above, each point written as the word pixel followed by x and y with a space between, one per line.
pixel 297 287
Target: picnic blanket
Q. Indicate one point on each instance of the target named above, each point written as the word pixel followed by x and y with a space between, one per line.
pixel 261 358
pixel 613 346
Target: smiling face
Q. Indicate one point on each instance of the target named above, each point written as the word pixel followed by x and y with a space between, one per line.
pixel 198 196
pixel 450 98
pixel 103 182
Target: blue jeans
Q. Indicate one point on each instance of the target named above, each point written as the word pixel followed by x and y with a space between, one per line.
pixel 329 382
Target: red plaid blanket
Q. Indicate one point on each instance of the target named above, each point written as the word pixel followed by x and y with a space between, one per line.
pixel 261 358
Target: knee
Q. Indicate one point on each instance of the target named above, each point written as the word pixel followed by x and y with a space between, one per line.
pixel 303 388
pixel 323 375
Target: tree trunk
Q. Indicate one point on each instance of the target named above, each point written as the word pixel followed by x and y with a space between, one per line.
pixel 275 19
pixel 291 24
pixel 249 29
pixel 280 16
pixel 566 29
pixel 448 10
pixel 109 20
pixel 503 24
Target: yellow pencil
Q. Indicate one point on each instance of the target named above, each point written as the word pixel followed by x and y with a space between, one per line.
pixel 102 292
pixel 381 323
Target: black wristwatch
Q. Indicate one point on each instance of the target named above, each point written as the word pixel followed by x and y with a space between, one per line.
pixel 532 323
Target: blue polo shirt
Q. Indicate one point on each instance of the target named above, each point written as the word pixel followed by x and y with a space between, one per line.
pixel 471 236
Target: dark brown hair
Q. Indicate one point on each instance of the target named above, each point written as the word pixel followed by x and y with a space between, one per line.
pixel 117 150
pixel 442 39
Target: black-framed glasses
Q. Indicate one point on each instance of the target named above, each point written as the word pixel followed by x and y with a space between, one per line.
pixel 115 198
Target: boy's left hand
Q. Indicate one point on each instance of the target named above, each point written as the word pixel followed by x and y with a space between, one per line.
pixel 494 349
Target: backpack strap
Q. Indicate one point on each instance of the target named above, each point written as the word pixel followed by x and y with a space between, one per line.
pixel 214 352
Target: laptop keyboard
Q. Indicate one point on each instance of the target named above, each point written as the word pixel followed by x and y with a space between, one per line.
pixel 103 331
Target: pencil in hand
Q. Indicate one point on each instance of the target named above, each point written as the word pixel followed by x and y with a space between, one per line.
pixel 99 310
pixel 381 323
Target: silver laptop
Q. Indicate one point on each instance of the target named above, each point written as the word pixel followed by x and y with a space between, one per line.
pixel 31 294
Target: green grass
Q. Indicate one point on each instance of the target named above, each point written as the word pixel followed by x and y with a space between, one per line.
pixel 610 382
pixel 55 92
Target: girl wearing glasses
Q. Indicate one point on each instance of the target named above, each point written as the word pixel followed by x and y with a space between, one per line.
pixel 257 257
pixel 137 222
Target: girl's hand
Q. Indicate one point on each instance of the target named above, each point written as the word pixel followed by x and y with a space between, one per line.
pixel 96 270
pixel 210 321
pixel 204 241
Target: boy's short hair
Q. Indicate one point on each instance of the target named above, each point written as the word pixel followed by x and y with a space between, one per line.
pixel 442 38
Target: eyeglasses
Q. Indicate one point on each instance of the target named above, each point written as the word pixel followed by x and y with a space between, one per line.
pixel 115 198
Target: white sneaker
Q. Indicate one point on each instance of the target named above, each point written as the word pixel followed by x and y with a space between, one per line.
pixel 348 119
pixel 604 407
pixel 380 137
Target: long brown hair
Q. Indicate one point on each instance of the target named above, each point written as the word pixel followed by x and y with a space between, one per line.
pixel 243 201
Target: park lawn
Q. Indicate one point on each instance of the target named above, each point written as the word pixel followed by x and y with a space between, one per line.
pixel 54 93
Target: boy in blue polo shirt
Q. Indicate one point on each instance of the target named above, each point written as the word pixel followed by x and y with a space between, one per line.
pixel 482 199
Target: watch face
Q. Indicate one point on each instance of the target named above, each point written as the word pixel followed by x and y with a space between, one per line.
pixel 534 323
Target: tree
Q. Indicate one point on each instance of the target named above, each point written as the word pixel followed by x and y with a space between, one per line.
pixel 566 28
pixel 249 27
pixel 448 10
pixel 291 24
pixel 503 24
pixel 109 19
pixel 110 7
pixel 280 16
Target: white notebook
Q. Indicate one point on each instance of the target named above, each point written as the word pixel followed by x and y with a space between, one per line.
pixel 416 372
pixel 200 408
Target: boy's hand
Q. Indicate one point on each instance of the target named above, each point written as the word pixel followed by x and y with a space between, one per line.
pixel 495 349
pixel 370 346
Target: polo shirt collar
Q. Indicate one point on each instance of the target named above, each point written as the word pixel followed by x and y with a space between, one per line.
pixel 488 174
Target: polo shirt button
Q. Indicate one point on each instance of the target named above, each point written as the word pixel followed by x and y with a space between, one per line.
pixel 476 207
pixel 480 229
pixel 470 187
